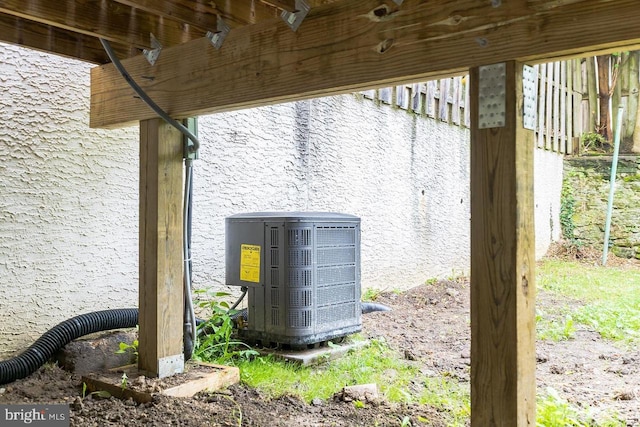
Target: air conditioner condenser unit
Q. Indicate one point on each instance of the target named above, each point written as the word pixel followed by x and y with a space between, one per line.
pixel 302 271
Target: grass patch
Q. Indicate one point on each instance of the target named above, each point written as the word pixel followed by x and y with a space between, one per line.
pixel 611 296
pixel 554 411
pixel 611 307
pixel 449 396
pixel 397 380
pixel 552 326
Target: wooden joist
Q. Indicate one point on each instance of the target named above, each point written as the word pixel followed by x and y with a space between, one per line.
pixel 115 22
pixel 46 38
pixel 351 45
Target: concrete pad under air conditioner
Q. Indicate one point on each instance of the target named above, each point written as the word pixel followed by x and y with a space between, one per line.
pixel 316 355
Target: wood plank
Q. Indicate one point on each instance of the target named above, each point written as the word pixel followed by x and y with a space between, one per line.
pixel 455 101
pixel 555 128
pixel 349 46
pixel 443 100
pixel 570 107
pixel 467 104
pixel 161 289
pixel 548 129
pixel 577 105
pixel 115 22
pixel 98 383
pixel 244 12
pixel 542 98
pixel 431 104
pixel 503 389
pixel 202 15
pixel 50 39
pixel 288 5
pixel 196 378
pixel 221 376
pixel 369 94
pixel 402 98
pixel 385 95
pixel 562 134
pixel 416 95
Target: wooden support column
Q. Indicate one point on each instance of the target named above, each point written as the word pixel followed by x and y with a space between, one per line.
pixel 161 290
pixel 503 388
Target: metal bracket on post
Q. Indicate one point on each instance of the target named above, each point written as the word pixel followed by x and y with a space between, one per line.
pixel 189 153
pixel 170 365
pixel 530 93
pixel 153 54
pixel 492 93
pixel 295 18
pixel 217 38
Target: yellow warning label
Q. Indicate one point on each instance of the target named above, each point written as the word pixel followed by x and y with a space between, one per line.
pixel 250 263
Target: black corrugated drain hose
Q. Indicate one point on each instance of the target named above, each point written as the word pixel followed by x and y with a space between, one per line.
pixel 62 334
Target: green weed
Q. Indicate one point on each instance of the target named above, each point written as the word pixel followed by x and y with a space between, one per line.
pixel 215 343
pixel 567 211
pixel 358 404
pixel 371 294
pixel 129 348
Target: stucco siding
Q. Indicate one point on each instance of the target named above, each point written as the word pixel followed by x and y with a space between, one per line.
pixel 69 205
pixel 68 210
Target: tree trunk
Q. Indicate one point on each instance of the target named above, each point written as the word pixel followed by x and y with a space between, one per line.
pixel 604 97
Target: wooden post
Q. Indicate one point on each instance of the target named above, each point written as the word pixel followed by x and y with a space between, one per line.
pixel 503 388
pixel 161 290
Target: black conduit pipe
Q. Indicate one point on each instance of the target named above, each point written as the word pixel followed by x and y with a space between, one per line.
pixel 62 334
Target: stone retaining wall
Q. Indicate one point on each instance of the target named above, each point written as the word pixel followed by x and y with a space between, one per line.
pixel 585 196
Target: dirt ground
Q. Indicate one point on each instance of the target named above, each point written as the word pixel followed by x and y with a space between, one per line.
pixel 429 326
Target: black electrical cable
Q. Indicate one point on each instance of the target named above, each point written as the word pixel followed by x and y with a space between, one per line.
pixel 147 100
pixel 240 298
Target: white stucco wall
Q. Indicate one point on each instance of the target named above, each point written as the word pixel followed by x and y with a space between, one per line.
pixel 548 168
pixel 407 178
pixel 69 205
pixel 69 200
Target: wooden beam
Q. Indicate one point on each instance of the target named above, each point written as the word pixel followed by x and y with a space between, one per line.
pixel 108 20
pixel 503 389
pixel 46 38
pixel 161 303
pixel 352 45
